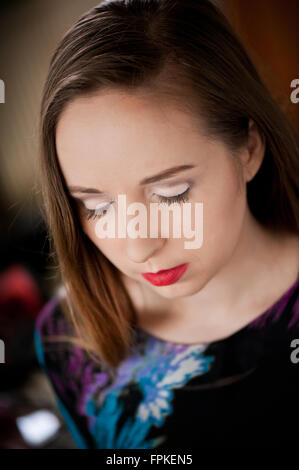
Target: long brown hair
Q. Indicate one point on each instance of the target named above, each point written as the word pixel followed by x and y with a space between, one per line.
pixel 186 51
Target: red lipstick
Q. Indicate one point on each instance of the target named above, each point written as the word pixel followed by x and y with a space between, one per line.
pixel 166 277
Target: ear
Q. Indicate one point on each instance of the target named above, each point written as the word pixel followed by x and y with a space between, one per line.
pixel 253 153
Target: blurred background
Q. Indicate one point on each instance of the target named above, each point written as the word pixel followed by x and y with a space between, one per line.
pixel 29 33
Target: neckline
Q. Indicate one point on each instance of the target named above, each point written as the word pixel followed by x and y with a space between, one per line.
pixel 271 310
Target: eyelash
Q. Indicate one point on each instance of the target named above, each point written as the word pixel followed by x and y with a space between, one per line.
pixel 180 198
pixel 92 213
pixel 183 197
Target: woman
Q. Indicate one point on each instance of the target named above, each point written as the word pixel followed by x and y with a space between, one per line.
pixel 157 101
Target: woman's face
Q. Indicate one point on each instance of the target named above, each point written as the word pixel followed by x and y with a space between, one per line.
pixel 113 141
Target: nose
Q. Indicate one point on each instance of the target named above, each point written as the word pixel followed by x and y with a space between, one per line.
pixel 140 250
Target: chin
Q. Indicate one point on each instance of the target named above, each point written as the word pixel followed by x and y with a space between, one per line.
pixel 178 290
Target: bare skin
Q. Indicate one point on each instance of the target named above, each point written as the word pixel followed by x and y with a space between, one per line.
pixel 111 141
pixel 198 325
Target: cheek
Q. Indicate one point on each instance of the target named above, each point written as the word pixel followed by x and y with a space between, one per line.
pixel 224 207
pixel 111 248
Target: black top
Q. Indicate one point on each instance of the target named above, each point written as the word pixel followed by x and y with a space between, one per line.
pixel 238 391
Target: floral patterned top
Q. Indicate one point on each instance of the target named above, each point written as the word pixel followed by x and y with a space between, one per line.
pixel 235 392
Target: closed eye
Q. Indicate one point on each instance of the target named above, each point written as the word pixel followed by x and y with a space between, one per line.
pixel 96 213
pixel 180 198
pixel 183 197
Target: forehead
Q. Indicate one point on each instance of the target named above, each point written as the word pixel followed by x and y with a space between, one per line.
pixel 115 136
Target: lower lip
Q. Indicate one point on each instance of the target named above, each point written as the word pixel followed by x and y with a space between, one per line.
pixel 166 276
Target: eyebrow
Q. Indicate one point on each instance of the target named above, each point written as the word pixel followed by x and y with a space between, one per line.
pixel 149 180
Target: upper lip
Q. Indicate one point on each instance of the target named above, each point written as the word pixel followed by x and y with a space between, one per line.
pixel 157 272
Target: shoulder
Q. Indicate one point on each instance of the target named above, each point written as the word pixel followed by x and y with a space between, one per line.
pixel 61 359
pixel 51 319
pixel 283 316
pixel 52 322
pixel 64 364
pixel 287 274
pixel 290 302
